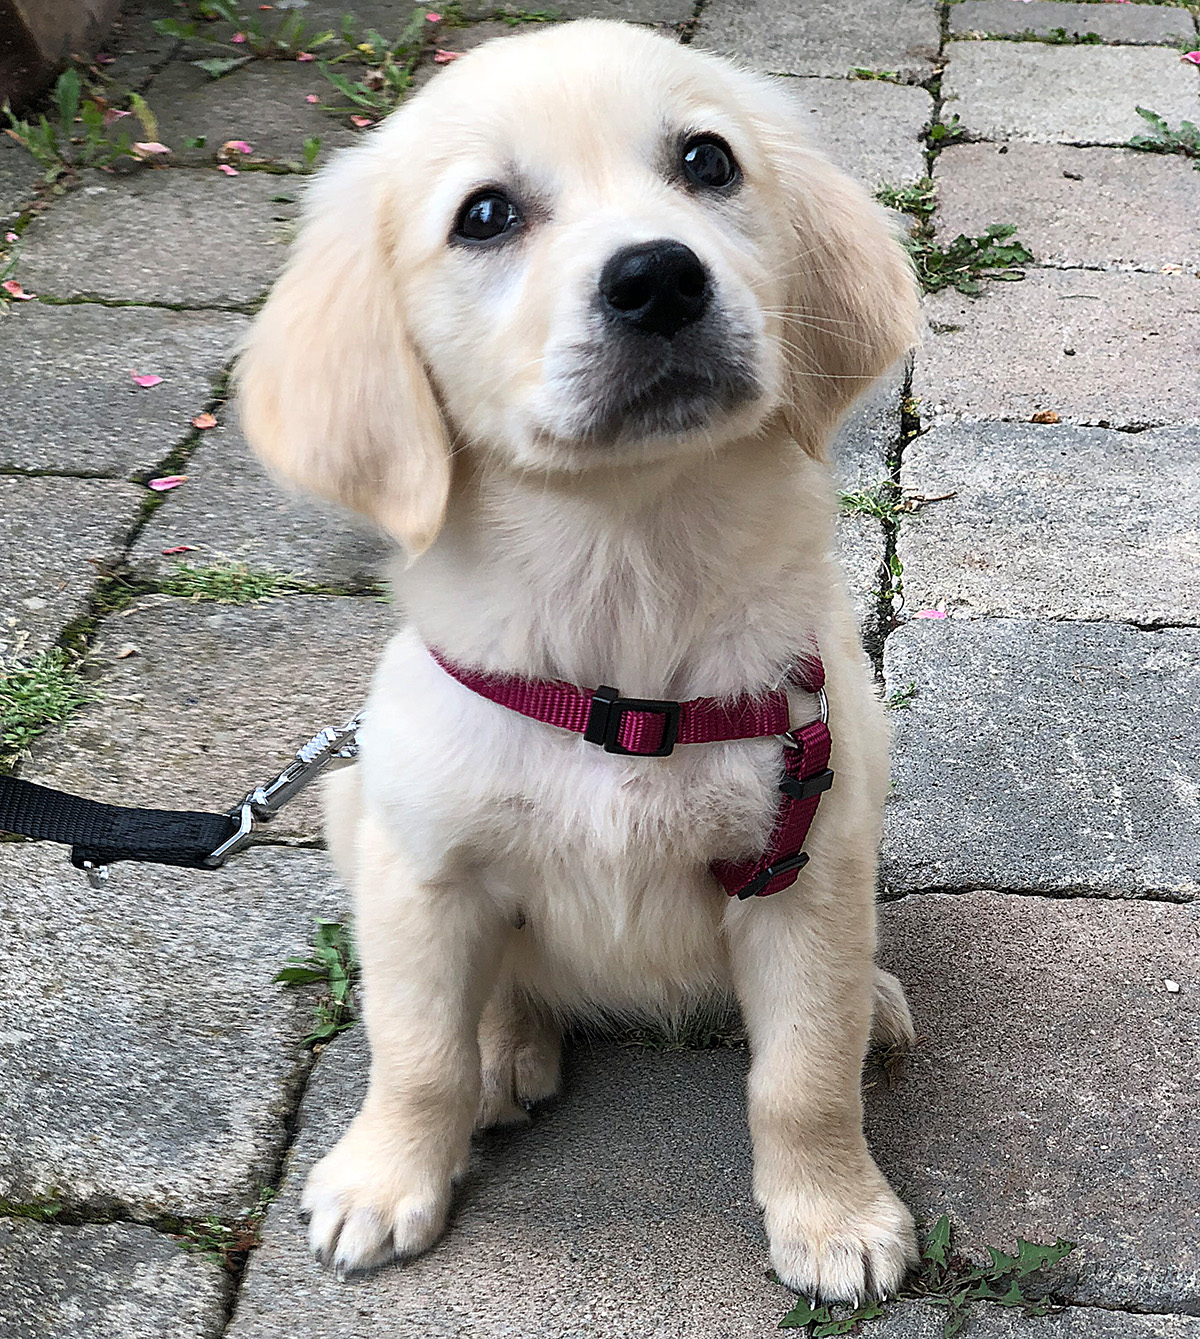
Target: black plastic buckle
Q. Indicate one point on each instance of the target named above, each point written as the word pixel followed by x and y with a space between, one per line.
pixel 609 707
pixel 804 788
pixel 784 865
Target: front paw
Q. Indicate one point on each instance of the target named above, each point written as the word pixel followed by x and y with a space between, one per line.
pixel 367 1206
pixel 841 1248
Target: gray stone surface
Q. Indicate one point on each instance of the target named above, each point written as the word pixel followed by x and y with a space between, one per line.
pixel 635 11
pixel 263 103
pixel 625 1210
pixel 1074 207
pixel 117 1281
pixel 137 51
pixel 232 508
pixel 69 401
pixel 1067 94
pixel 1139 24
pixel 192 238
pixel 1107 349
pixel 19 175
pixel 150 1065
pixel 912 1320
pixel 871 128
pixel 825 37
pixel 54 533
pixel 1054 522
pixel 1044 756
pixel 216 700
pixel 1053 1090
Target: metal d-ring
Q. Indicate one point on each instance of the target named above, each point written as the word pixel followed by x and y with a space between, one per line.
pixel 788 740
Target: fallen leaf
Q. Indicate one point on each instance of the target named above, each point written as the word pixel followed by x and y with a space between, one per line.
pixel 149 149
pixel 445 57
pixel 167 482
pixel 144 379
pixel 312 97
pixel 229 171
pixel 178 548
pixel 204 421
pixel 361 121
pixel 238 38
pixel 126 651
pixel 235 146
pixel 1045 416
pixel 930 613
pixel 303 56
pixel 16 292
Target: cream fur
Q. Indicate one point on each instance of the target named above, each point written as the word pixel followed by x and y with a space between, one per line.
pixel 508 875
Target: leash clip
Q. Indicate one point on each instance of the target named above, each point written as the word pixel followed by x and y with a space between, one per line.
pixel 329 748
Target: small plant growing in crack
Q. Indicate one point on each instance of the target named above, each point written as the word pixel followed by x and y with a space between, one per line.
pixel 84 131
pixel 903 698
pixel 285 37
pixel 951 1282
pixel 226 582
pixel 227 1243
pixel 1184 141
pixel 34 696
pixel 331 961
pixel 942 133
pixel 887 76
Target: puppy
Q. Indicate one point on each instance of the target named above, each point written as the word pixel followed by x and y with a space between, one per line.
pixel 603 470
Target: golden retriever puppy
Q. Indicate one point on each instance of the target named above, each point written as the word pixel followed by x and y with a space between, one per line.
pixel 575 326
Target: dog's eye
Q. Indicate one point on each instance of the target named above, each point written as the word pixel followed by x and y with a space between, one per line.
pixel 485 216
pixel 709 162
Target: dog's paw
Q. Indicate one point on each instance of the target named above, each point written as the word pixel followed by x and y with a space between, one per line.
pixel 365 1208
pixel 520 1067
pixel 891 1022
pixel 842 1252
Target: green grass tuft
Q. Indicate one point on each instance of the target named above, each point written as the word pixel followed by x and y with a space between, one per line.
pixel 331 961
pixel 34 696
pixel 230 583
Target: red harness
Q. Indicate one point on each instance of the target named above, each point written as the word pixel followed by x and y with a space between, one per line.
pixel 650 728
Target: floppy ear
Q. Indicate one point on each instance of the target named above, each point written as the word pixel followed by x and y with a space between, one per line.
pixel 333 395
pixel 852 304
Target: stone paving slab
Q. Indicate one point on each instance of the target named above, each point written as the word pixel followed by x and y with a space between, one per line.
pixel 1072 206
pixel 54 534
pixel 911 1320
pixel 150 1065
pixel 1138 24
pixel 1053 1091
pixel 186 237
pixel 215 701
pixel 825 37
pixel 1044 756
pixel 117 1281
pixel 1068 94
pixel 263 103
pixel 137 51
pixel 870 128
pixel 19 176
pixel 1054 522
pixel 69 401
pixel 1107 349
pixel 625 1208
pixel 230 507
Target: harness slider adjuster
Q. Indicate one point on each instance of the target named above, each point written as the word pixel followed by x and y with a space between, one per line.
pixel 804 788
pixel 607 712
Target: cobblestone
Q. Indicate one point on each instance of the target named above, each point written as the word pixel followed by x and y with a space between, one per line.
pixel 1139 24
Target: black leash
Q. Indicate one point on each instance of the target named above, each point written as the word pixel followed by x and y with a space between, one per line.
pixel 101 834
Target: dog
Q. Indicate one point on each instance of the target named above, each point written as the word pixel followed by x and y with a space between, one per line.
pixel 575 326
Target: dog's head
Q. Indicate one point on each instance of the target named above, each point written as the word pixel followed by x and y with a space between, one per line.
pixel 580 246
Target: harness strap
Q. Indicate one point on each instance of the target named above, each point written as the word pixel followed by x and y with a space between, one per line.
pixel 101 834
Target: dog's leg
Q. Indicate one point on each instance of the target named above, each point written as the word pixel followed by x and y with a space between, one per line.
pixel 519 1045
pixel 429 955
pixel 802 969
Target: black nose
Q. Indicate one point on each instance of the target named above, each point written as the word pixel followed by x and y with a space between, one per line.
pixel 659 287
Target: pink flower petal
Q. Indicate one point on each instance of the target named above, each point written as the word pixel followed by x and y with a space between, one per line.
pixel 204 421
pixel 229 171
pixel 1193 56
pixel 101 59
pixel 11 237
pixel 930 613
pixel 15 291
pixel 167 482
pixel 178 548
pixel 149 148
pixel 433 17
pixel 238 38
pixel 144 379
pixel 236 146
pixel 312 97
pixel 112 114
pixel 302 56
pixel 361 121
pixel 441 57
